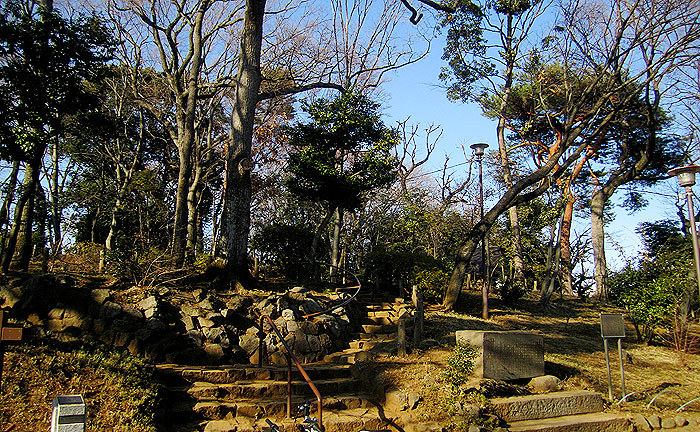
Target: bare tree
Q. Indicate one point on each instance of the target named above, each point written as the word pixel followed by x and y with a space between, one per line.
pixel 358 52
pixel 190 43
pixel 650 41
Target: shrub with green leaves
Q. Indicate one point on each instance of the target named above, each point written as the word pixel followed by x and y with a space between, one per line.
pixel 416 268
pixel 431 283
pixel 285 250
pixel 655 289
pixel 460 365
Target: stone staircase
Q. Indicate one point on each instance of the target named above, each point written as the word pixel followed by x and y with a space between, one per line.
pixel 565 411
pixel 376 335
pixel 240 398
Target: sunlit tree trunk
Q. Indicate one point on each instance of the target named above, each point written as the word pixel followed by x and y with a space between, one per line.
pixel 518 262
pixel 598 240
pixel 235 217
pixel 19 245
pixel 10 197
pixel 193 200
pixel 335 242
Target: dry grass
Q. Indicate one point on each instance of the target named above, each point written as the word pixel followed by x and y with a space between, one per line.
pixel 573 351
pixel 118 389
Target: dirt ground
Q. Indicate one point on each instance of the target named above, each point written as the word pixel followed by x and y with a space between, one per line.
pixel 574 352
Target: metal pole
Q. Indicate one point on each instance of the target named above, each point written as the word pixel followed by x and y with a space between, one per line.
pixel 607 364
pixel 261 337
pixel 693 233
pixel 484 284
pixel 289 385
pixel 622 367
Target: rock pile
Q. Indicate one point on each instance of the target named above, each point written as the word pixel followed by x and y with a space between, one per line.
pixel 172 326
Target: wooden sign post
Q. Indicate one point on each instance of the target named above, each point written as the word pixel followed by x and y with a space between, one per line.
pixel 7 334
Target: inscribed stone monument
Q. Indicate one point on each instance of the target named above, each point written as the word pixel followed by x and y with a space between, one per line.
pixel 505 355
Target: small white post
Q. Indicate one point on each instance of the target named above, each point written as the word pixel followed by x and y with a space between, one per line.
pixel 68 414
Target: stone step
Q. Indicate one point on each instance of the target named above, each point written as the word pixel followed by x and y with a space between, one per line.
pixel 381 314
pixel 386 320
pixel 595 422
pixel 369 344
pixel 383 306
pixel 346 357
pixel 379 328
pixel 260 389
pixel 232 374
pixel 379 320
pixel 347 421
pixel 353 355
pixel 540 406
pixel 374 336
pixel 277 408
pixel 385 328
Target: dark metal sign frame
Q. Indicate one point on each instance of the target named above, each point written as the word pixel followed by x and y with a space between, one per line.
pixel 612 326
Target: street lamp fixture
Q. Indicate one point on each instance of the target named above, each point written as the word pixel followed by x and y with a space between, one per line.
pixel 685 174
pixel 478 149
pixel 686 178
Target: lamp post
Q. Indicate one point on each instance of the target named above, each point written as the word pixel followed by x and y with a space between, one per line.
pixel 686 178
pixel 478 149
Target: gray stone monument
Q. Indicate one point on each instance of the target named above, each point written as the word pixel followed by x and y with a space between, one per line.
pixel 68 414
pixel 505 355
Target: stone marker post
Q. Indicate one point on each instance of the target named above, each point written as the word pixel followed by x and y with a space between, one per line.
pixel 68 414
pixel 418 319
pixel 401 338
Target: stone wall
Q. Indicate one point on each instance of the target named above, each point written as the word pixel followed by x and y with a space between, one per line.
pixel 176 326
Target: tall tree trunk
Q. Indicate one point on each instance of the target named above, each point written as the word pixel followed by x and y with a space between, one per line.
pixel 193 197
pixel 518 261
pixel 183 181
pixel 187 111
pixel 319 233
pixel 19 244
pixel 109 241
pixel 56 215
pixel 7 202
pixel 568 216
pixel 235 218
pixel 553 262
pixel 17 254
pixel 335 243
pixel 598 239
pixel 565 243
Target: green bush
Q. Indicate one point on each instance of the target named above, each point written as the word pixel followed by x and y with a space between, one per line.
pixel 460 365
pixel 387 268
pixel 120 390
pixel 431 283
pixel 137 261
pixel 653 291
pixel 285 250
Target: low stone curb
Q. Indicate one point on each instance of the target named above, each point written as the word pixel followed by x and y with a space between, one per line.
pixel 650 422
